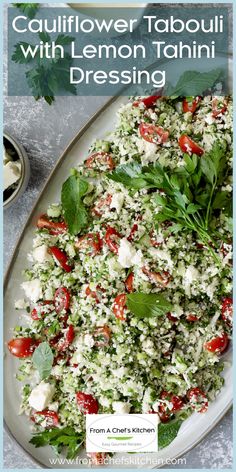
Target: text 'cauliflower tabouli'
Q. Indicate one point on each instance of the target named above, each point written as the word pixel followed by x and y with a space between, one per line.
pixel 129 291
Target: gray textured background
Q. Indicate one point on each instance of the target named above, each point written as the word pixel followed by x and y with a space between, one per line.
pixel 44 132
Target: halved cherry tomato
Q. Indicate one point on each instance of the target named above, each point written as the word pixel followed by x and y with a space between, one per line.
pixel 97 210
pixel 112 238
pixel 189 146
pixel 191 106
pixel 147 101
pixel 119 306
pixel 227 311
pixel 37 313
pixel 218 344
pixel 171 317
pixel 102 336
pixel 216 110
pixel 190 317
pixel 153 134
pixel 87 403
pixel 54 227
pixel 197 400
pixel 100 158
pixel 51 417
pixel 129 283
pixel 97 458
pixel 68 338
pixel 164 411
pixel 62 299
pixel 155 277
pixel 61 257
pixel 22 347
pixel 90 240
pixel 97 295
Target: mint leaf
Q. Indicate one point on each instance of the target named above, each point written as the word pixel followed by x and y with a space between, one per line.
pixel 60 438
pixel 147 305
pixel 193 83
pixel 167 432
pixel 129 175
pixel 74 211
pixel 43 359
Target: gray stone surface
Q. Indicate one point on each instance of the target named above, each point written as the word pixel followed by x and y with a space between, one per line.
pixel 45 131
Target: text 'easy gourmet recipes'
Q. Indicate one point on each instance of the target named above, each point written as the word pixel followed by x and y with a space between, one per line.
pixel 129 291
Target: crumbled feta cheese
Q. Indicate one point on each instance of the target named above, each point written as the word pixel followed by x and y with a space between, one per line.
pixel 88 340
pixel 127 254
pixel 117 201
pixel 147 149
pixel 121 408
pixel 41 396
pixel 40 254
pixel 33 289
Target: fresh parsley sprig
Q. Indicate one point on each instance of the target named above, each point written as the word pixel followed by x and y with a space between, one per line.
pixel 47 77
pixel 190 194
pixel 59 439
pixel 29 9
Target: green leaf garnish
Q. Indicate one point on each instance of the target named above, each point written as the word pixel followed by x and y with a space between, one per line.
pixel 147 305
pixel 43 360
pixel 167 432
pixel 30 9
pixel 193 83
pixel 60 438
pixel 74 210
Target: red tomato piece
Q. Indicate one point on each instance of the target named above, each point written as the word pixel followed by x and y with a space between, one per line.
pixel 148 102
pixel 134 229
pixel 119 306
pixel 87 403
pixel 190 317
pixel 171 317
pixel 37 313
pixel 153 134
pixel 188 145
pixel 165 411
pixel 97 295
pixel 22 347
pixel 102 336
pixel 227 311
pixel 68 338
pixel 191 106
pixel 216 110
pixel 197 400
pixel 155 277
pixel 51 417
pixel 90 240
pixel 129 283
pixel 101 205
pixel 61 257
pixel 54 227
pixel 98 159
pixel 218 344
pixel 62 299
pixel 112 238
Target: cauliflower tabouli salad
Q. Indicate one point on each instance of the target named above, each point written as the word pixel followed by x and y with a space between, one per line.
pixel 128 295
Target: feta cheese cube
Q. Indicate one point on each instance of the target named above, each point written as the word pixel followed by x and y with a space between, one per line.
pixel 127 254
pixel 41 396
pixel 40 254
pixel 121 408
pixel 33 289
pixel 11 173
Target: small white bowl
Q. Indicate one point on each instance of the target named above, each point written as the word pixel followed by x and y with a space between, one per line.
pixel 25 171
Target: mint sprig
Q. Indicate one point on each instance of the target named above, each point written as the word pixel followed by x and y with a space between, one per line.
pixel 147 305
pixel 43 360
